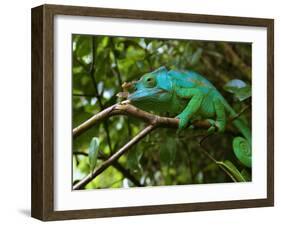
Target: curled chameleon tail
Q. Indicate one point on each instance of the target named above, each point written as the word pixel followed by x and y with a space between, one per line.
pixel 242 150
pixel 242 146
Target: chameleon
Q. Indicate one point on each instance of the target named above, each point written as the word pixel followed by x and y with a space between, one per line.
pixel 190 96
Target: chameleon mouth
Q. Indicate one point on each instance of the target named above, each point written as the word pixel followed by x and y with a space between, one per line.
pixel 145 94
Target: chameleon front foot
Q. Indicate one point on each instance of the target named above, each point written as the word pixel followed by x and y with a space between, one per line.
pixel 183 121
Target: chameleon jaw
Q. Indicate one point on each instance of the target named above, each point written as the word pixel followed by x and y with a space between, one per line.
pixel 141 95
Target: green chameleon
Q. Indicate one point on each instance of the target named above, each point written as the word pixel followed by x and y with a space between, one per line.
pixel 190 96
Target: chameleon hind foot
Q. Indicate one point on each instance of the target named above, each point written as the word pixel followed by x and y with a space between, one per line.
pixel 213 127
pixel 216 126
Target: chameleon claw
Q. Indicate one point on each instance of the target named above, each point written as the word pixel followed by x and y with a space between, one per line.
pixel 220 127
pixel 183 121
pixel 211 130
pixel 191 127
pixel 213 126
pixel 125 102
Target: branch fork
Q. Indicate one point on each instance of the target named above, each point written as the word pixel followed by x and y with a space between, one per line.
pixel 125 108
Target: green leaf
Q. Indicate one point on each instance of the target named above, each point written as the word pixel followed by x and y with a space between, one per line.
pixel 133 158
pixel 84 166
pixel 232 171
pixel 168 151
pixel 246 175
pixel 196 56
pixel 83 46
pixel 93 152
pixel 239 88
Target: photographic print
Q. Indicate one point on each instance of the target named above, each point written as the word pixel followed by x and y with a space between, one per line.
pixel 142 112
pixel 160 112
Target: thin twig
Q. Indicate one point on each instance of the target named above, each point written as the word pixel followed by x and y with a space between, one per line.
pixel 232 118
pixel 207 136
pixel 80 153
pixel 126 173
pixel 204 150
pixel 91 72
pixel 190 165
pixel 92 75
pixel 83 95
pixel 118 75
pixel 116 63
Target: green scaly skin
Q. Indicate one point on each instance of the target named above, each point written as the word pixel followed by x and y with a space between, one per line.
pixel 190 96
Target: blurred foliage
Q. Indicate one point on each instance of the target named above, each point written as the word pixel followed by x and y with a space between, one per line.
pixel 101 64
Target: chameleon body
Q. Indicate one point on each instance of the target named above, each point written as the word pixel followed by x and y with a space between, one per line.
pixel 190 96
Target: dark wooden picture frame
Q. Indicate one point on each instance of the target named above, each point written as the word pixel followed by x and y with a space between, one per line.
pixel 42 203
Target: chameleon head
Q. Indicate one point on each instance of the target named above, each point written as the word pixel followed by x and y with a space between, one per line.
pixel 152 87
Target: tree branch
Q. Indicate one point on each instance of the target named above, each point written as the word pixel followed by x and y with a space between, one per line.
pixel 130 110
pixel 126 173
pixel 154 122
pixel 114 157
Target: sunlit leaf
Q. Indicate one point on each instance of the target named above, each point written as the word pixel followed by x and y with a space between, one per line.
pixel 93 152
pixel 239 88
pixel 246 175
pixel 232 171
pixel 196 56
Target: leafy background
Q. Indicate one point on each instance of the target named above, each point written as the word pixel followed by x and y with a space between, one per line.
pixel 101 64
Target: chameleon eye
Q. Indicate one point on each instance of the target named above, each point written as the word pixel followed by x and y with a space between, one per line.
pixel 149 82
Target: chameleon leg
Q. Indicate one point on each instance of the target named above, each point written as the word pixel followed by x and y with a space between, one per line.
pixel 196 98
pixel 213 127
pixel 220 115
